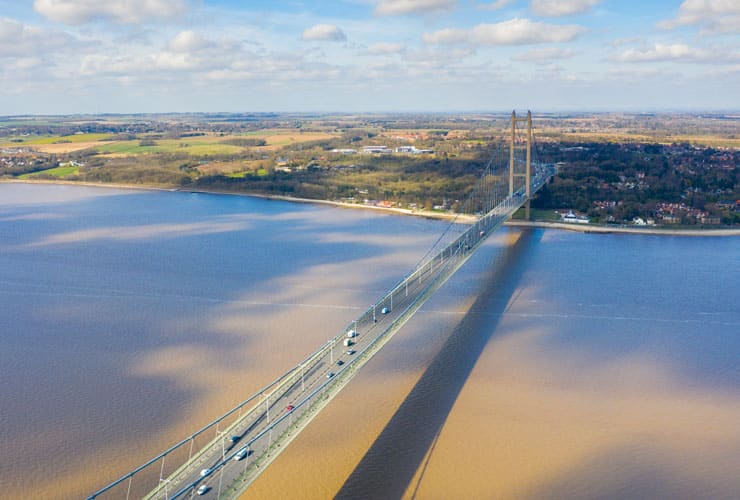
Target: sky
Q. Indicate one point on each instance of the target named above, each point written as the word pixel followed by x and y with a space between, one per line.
pixel 140 56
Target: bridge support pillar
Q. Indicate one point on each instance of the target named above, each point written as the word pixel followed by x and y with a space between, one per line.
pixel 512 145
pixel 528 162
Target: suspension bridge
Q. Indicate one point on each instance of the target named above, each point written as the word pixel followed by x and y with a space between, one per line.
pixel 223 458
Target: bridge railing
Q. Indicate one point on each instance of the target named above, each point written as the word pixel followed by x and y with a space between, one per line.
pixel 434 272
pixel 450 255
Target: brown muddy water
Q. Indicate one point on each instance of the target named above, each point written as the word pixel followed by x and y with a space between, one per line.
pixel 552 365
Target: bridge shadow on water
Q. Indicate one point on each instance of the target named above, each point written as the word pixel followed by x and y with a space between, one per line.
pixel 389 466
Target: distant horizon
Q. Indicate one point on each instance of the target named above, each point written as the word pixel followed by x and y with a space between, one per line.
pixel 66 57
pixel 408 112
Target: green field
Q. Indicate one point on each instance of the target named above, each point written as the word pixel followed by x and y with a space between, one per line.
pixel 195 147
pixel 260 172
pixel 537 214
pixel 212 144
pixel 59 172
pixel 237 175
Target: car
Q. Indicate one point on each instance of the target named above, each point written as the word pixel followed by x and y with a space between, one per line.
pixel 385 310
pixel 205 472
pixel 203 489
pixel 234 439
pixel 340 362
pixel 351 351
pixel 241 454
pixel 330 375
pixel 289 408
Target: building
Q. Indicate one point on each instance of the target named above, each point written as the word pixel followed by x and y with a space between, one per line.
pixel 572 218
pixel 412 150
pixel 377 150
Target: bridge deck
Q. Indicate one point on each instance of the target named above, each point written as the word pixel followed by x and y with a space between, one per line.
pixel 270 419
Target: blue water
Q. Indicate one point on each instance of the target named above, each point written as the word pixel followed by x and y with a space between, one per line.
pixel 93 279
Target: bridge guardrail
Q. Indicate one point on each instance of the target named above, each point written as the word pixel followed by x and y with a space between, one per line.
pixel 462 246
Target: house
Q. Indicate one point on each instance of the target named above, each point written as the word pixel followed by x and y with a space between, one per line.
pixel 572 218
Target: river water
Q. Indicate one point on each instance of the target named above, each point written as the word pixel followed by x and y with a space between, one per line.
pixel 553 364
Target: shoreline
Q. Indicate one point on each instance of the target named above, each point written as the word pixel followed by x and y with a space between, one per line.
pixel 459 218
pixel 654 231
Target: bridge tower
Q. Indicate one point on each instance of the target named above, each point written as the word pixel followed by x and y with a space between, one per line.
pixel 513 145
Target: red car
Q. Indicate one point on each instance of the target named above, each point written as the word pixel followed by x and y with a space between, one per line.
pixel 289 408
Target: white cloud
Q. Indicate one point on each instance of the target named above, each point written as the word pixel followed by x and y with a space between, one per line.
pixel 546 54
pixel 675 52
pixel 17 39
pixel 386 48
pixel 557 8
pixel 189 41
pixel 10 29
pixel 659 52
pixel 399 7
pixel 498 4
pixel 447 35
pixel 512 32
pixel 122 12
pixel 324 32
pixel 27 63
pixel 715 16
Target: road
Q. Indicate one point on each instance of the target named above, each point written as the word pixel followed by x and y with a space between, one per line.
pixel 243 449
pixel 288 400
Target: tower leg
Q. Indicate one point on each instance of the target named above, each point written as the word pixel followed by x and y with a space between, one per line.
pixel 528 178
pixel 511 153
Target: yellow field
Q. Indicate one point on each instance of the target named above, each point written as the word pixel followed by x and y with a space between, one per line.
pixel 67 147
pixel 281 137
pixel 627 136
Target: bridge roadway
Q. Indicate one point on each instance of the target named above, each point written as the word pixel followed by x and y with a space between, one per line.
pixel 242 450
pixel 289 402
